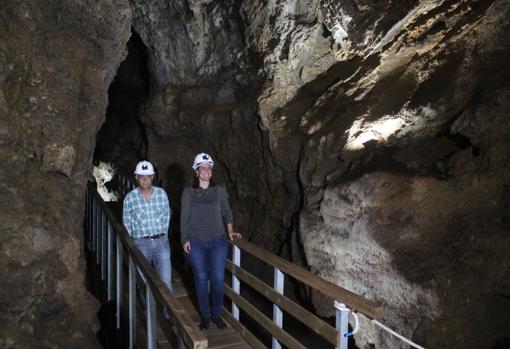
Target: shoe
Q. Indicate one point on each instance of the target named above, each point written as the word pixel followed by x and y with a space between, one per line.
pixel 219 322
pixel 204 323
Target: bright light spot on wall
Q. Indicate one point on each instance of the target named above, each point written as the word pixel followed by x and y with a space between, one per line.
pixel 361 133
pixel 104 173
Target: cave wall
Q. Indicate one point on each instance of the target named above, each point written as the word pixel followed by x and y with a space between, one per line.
pixel 364 140
pixel 202 100
pixel 57 59
pixel 121 139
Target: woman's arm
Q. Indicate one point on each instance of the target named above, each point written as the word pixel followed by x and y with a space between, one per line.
pixel 226 214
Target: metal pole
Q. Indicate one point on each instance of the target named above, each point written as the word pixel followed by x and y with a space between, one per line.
pixel 236 285
pixel 99 236
pixel 119 280
pixel 342 324
pixel 94 223
pixel 110 262
pixel 104 241
pixel 86 214
pixel 151 319
pixel 89 219
pixel 132 303
pixel 277 312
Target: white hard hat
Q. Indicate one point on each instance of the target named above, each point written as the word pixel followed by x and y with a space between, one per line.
pixel 144 168
pixel 201 159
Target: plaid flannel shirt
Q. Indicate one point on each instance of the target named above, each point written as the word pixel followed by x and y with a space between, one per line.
pixel 142 217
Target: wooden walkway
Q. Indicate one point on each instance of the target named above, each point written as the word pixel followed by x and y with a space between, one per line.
pixel 115 250
pixel 183 291
pixel 226 338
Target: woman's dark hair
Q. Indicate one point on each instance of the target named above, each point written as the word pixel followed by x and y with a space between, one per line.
pixel 196 183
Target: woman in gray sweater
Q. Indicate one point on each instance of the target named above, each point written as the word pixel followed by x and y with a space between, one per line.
pixel 205 216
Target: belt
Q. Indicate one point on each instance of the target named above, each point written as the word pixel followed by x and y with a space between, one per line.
pixel 153 237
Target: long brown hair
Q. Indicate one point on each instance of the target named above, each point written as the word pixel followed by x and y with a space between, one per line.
pixel 196 183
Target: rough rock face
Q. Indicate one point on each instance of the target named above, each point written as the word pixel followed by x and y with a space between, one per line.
pixel 202 100
pixel 366 140
pixel 395 119
pixel 57 59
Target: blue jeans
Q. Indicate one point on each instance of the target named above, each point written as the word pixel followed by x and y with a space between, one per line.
pixel 207 258
pixel 157 253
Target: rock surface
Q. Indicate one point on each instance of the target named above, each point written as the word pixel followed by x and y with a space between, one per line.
pixel 57 59
pixel 365 140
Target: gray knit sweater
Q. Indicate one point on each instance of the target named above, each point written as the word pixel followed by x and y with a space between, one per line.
pixel 205 213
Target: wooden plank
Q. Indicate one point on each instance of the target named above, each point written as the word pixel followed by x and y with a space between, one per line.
pixel 369 308
pixel 179 288
pixel 227 337
pixel 276 331
pixel 243 331
pixel 312 321
pixel 237 346
pixel 189 306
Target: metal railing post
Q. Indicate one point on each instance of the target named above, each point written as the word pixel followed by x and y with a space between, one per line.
pixel 110 261
pixel 89 219
pixel 277 312
pixel 104 241
pixel 151 318
pixel 132 302
pixel 99 233
pixel 342 324
pixel 94 224
pixel 87 213
pixel 119 279
pixel 236 285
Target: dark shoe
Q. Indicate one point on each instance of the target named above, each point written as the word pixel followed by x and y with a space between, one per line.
pixel 219 322
pixel 204 323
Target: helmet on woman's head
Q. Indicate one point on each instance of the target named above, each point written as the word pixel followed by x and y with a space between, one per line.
pixel 201 159
pixel 144 168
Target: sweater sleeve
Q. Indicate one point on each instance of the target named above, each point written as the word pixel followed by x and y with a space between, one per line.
pixel 185 213
pixel 226 212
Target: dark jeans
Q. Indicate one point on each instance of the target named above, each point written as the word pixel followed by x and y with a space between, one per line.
pixel 207 258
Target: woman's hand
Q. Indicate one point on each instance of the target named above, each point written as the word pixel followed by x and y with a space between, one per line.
pixel 234 235
pixel 186 247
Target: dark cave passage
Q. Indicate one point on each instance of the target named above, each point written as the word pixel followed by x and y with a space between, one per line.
pixel 121 140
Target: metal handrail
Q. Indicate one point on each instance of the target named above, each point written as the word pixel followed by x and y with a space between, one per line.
pixel 344 301
pixel 370 309
pixel 341 299
pixel 104 226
